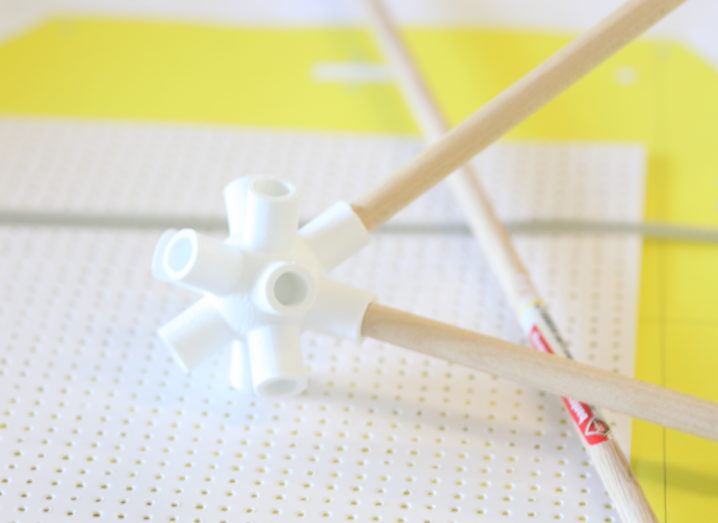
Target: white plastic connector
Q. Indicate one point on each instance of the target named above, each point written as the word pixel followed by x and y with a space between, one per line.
pixel 271 215
pixel 337 308
pixel 158 263
pixel 285 288
pixel 201 262
pixel 276 360
pixel 240 372
pixel 196 334
pixel 235 195
pixel 335 234
pixel 262 286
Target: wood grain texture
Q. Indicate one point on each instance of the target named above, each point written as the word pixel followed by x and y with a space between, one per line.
pixel 621 485
pixel 542 371
pixel 607 457
pixel 509 108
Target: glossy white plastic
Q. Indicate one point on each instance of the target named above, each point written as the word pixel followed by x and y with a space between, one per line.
pixel 262 286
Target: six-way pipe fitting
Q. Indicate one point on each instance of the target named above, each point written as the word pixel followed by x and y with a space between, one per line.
pixel 263 285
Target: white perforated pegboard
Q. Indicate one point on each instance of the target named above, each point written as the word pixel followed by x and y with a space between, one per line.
pixel 163 170
pixel 97 422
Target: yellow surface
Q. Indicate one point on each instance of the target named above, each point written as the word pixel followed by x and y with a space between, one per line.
pixel 656 93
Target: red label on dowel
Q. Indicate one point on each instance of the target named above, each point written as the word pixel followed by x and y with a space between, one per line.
pixel 593 429
pixel 538 342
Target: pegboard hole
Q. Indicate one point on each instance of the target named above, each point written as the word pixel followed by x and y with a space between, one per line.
pixel 277 387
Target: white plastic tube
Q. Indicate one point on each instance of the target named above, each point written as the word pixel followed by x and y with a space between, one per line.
pixel 335 234
pixel 196 334
pixel 235 194
pixel 158 262
pixel 271 215
pixel 276 360
pixel 201 262
pixel 339 309
pixel 240 373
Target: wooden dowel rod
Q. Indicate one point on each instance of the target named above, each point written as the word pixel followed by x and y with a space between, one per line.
pixel 529 368
pixel 509 108
pixel 607 457
pixel 495 242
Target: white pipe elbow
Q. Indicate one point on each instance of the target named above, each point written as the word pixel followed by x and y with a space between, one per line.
pixel 200 262
pixel 271 216
pixel 195 334
pixel 277 365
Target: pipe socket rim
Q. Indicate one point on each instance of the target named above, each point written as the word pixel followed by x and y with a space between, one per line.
pixel 286 288
pixel 180 254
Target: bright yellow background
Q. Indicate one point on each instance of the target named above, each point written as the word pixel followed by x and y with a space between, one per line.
pixel 101 68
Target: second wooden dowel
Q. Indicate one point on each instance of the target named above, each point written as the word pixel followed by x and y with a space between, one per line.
pixel 555 375
pixel 509 108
